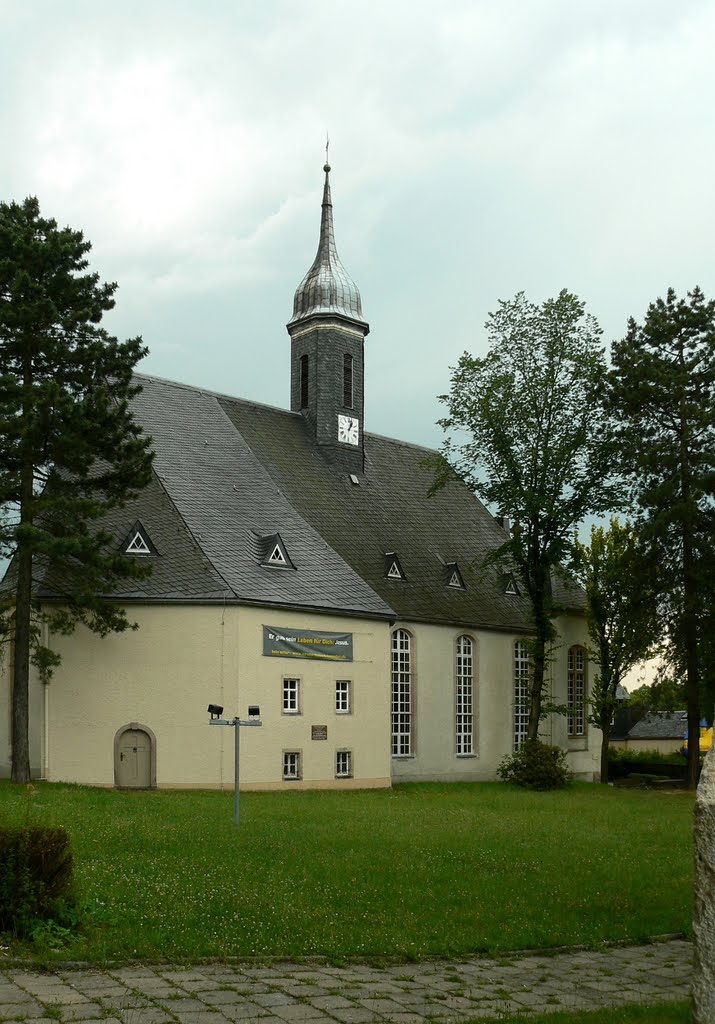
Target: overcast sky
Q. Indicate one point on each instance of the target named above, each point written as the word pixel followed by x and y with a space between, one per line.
pixel 478 147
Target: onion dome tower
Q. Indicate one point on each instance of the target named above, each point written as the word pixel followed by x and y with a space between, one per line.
pixel 327 333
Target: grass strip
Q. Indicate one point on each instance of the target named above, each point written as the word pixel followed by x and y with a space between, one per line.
pixel 654 1013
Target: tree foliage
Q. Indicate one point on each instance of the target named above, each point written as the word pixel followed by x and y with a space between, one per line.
pixel 529 435
pixel 69 448
pixel 663 393
pixel 617 575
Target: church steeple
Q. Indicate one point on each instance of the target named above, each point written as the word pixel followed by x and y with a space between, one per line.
pixel 327 288
pixel 327 359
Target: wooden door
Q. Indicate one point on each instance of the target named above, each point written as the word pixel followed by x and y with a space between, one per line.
pixel 134 760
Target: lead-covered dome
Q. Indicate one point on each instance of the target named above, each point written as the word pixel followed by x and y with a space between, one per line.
pixel 327 288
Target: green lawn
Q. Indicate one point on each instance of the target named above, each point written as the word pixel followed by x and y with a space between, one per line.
pixel 662 1013
pixel 412 871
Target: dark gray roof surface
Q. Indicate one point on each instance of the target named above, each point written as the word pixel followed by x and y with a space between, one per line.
pixel 388 511
pixel 230 475
pixel 660 725
pixel 226 498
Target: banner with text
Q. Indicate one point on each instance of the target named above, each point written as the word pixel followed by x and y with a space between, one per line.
pixel 306 643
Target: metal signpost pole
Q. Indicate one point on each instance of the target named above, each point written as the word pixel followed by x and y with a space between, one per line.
pixel 237 730
pixel 254 720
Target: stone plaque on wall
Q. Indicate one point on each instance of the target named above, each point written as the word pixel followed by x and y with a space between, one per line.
pixel 319 732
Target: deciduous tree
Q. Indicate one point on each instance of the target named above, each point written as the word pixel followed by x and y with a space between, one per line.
pixel 69 448
pixel 528 432
pixel 617 574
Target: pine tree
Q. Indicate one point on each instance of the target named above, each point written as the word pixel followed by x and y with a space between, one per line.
pixel 69 448
pixel 663 393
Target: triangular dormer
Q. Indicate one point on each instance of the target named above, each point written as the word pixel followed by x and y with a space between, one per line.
pixel 454 576
pixel 393 569
pixel 138 542
pixel 511 587
pixel 275 553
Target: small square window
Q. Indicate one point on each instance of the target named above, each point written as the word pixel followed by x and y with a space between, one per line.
pixel 291 765
pixel 343 764
pixel 343 703
pixel 291 696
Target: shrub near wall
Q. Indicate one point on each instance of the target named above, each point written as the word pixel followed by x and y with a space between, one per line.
pixel 36 877
pixel 536 765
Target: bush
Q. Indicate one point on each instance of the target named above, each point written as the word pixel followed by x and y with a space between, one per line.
pixel 536 765
pixel 36 882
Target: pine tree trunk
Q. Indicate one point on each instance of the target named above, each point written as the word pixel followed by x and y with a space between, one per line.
pixel 21 676
pixel 20 770
pixel 692 674
pixel 690 608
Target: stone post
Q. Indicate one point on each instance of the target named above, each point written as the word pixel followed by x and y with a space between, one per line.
pixel 704 909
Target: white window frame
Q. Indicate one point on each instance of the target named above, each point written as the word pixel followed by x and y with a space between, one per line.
pixel 522 677
pixel 343 764
pixel 291 695
pixel 137 545
pixel 292 766
pixel 576 690
pixel 401 693
pixel 343 697
pixel 464 696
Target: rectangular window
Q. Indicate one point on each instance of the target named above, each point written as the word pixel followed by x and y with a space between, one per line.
pixel 291 764
pixel 465 696
pixel 576 691
pixel 343 764
pixel 291 696
pixel 401 694
pixel 342 697
pixel 304 382
pixel 522 676
pixel 348 381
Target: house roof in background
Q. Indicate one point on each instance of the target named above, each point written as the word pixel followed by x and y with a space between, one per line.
pixel 660 725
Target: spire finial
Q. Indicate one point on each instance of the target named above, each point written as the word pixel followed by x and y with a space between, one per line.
pixel 326 168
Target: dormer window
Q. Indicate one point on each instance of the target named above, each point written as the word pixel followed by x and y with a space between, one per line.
pixel 511 587
pixel 276 556
pixel 454 576
pixel 393 569
pixel 275 553
pixel 138 542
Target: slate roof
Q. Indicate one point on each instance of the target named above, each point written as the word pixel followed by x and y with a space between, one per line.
pixel 660 725
pixel 230 474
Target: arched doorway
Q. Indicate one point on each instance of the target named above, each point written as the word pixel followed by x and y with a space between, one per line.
pixel 134 757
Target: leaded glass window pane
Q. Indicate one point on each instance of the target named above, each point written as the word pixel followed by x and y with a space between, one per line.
pixel 465 696
pixel 401 693
pixel 522 675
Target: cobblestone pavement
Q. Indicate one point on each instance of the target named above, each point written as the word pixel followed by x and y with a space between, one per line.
pixel 309 993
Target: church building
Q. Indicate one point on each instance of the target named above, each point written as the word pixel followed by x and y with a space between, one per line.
pixel 300 567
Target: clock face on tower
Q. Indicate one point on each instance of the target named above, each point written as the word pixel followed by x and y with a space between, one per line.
pixel 348 430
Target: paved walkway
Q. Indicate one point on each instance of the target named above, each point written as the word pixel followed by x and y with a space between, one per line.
pixel 315 993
